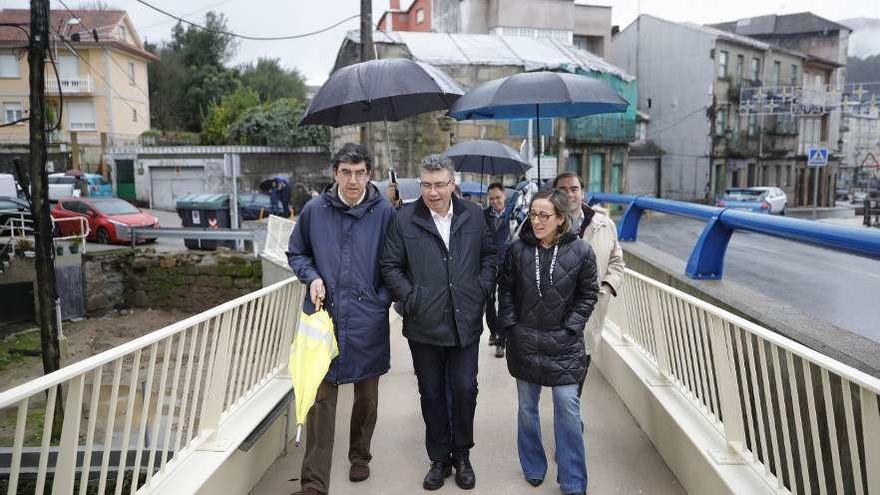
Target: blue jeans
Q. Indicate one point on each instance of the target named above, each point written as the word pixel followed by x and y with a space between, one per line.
pixel 571 454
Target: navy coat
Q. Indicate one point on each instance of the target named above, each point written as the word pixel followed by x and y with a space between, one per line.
pixel 342 245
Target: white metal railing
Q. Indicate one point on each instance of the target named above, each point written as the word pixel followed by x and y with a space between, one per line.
pixel 155 399
pixel 69 85
pixel 806 422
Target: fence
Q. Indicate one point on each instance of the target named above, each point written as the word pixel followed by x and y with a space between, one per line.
pixel 154 400
pixel 807 423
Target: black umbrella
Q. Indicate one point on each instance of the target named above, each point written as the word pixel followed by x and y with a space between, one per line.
pixel 532 95
pixel 482 156
pixel 388 89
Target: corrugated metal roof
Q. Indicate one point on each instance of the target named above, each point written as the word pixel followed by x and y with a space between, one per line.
pixel 484 49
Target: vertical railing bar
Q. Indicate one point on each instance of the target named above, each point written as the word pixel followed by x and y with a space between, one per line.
pixel 145 414
pixel 248 338
pixel 236 352
pixel 90 431
pixel 759 410
pixel 663 309
pixel 848 413
pixel 48 420
pixel 126 435
pixel 814 428
pixel 277 331
pixel 627 298
pixel 251 377
pixel 185 393
pixel 747 396
pixel 172 417
pixel 706 340
pixel 674 325
pixel 832 430
pixel 288 330
pixel 871 437
pixel 266 352
pixel 684 310
pixel 111 424
pixel 643 322
pixel 784 420
pixel 799 430
pixel 226 399
pixel 65 462
pixel 663 360
pixel 647 330
pixel 160 405
pixel 687 369
pixel 730 405
pixel 771 415
pixel 18 446
pixel 635 328
pixel 218 381
pixel 198 401
pixel 703 364
pixel 212 362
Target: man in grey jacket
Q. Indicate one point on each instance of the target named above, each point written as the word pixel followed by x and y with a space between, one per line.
pixel 598 230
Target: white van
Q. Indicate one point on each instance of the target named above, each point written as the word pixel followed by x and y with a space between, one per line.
pixel 8 188
pixel 61 186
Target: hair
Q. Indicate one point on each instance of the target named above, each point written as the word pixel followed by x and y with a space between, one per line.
pixel 352 153
pixel 567 175
pixel 435 162
pixel 495 185
pixel 560 204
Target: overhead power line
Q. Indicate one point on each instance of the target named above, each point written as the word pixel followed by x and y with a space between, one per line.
pixel 244 37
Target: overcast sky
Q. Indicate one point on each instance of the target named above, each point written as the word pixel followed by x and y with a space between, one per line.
pixel 314 56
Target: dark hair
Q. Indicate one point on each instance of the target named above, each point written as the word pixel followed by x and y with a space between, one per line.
pixel 435 162
pixel 495 185
pixel 352 153
pixel 560 203
pixel 567 175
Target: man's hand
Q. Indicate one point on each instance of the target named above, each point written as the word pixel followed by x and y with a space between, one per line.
pixel 316 293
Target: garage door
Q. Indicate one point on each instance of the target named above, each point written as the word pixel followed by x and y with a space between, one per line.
pixel 169 183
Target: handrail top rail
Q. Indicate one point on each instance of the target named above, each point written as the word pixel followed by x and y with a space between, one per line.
pixel 844 370
pixel 28 389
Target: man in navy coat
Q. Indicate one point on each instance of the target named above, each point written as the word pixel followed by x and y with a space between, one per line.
pixel 334 249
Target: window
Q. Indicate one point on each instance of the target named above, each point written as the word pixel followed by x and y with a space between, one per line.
pixel 756 69
pixel 794 75
pixel 722 64
pixel 420 16
pixel 777 73
pixel 131 73
pixel 817 80
pixel 739 69
pixel 720 122
pixel 736 125
pixel 753 125
pixel 11 111
pixel 81 115
pixel 134 115
pixel 9 66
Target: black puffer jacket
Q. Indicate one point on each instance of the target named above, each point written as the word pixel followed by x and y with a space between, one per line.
pixel 545 336
pixel 443 291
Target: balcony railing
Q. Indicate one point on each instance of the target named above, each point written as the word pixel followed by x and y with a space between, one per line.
pixel 69 85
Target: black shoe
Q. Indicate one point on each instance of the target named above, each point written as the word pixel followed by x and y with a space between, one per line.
pixel 499 351
pixel 464 474
pixel 439 471
pixel 534 482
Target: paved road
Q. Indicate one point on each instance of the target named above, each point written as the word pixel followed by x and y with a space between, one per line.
pixel 838 288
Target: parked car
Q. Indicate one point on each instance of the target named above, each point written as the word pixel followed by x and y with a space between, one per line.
pixel 12 207
pixel 409 189
pixel 250 205
pixel 770 200
pixel 859 196
pixel 64 184
pixel 110 219
pixel 8 186
pixel 60 186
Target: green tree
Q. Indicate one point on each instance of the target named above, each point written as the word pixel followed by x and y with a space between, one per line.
pixel 272 81
pixel 276 124
pixel 215 127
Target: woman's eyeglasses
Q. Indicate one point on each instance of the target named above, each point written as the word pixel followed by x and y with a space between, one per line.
pixel 540 216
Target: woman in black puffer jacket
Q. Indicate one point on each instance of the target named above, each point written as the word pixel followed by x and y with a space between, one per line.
pixel 546 294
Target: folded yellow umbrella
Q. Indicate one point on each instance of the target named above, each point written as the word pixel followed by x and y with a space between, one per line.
pixel 313 347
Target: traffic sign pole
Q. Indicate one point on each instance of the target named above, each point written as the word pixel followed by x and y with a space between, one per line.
pixel 815 192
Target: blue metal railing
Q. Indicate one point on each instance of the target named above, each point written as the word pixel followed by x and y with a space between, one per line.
pixel 706 260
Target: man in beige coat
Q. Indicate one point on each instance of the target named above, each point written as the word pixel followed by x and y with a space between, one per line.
pixel 596 228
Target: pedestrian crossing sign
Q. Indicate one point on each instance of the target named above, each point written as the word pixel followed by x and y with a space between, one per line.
pixel 817 157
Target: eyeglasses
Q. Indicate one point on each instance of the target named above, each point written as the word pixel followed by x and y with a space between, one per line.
pixel 572 189
pixel 358 174
pixel 540 216
pixel 427 186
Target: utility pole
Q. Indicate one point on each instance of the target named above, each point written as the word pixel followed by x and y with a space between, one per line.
pixel 45 263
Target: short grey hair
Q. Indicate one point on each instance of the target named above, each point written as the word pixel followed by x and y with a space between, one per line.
pixel 435 162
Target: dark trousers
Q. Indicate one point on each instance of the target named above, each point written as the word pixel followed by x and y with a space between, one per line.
pixel 449 428
pixel 492 318
pixel 321 427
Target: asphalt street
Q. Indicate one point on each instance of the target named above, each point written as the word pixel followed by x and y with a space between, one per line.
pixel 838 288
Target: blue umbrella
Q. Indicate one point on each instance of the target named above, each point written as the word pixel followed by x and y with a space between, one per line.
pixel 533 95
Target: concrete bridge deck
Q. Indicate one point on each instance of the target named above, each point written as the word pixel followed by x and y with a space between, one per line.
pixel 621 458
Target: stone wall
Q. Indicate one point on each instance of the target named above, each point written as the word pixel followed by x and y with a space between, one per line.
pixel 191 281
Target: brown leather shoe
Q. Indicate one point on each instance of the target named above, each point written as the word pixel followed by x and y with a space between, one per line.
pixel 358 472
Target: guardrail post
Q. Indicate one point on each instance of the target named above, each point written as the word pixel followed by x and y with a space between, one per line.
pixel 707 258
pixel 728 393
pixel 628 228
pixel 216 392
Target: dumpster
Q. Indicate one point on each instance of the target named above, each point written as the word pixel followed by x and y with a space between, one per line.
pixel 206 211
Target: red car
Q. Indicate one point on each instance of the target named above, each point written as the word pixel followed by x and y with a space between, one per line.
pixel 110 219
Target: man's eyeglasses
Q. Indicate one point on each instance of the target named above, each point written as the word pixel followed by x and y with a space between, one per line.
pixel 427 186
pixel 357 174
pixel 572 189
pixel 540 216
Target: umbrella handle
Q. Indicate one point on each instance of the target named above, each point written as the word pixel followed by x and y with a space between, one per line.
pixel 299 429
